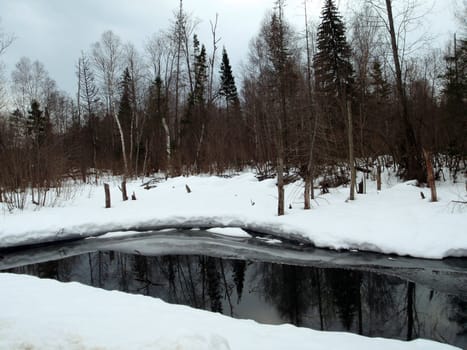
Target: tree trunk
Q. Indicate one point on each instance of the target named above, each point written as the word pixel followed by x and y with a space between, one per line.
pixel 308 185
pixel 351 153
pixel 309 190
pixel 378 177
pixel 107 195
pixel 145 161
pixel 411 152
pixel 200 145
pixel 122 141
pixel 430 175
pixel 167 144
pixel 280 186
pixel 124 192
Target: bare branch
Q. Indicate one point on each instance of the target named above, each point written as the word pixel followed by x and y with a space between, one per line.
pixel 6 39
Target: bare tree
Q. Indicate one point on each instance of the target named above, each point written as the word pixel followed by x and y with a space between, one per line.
pixel 163 57
pixel 31 81
pixel 365 42
pixel 212 59
pixel 410 148
pixel 134 63
pixel 108 60
pixel 87 89
pixel 6 39
pixel 182 33
pixel 312 120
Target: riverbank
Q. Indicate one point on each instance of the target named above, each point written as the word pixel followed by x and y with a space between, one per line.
pixel 46 314
pixel 395 220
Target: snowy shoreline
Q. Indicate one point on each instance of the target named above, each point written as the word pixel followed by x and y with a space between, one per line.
pixel 46 314
pixel 392 221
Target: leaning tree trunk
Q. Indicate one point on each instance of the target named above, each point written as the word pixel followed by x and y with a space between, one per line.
pixel 122 141
pixel 411 151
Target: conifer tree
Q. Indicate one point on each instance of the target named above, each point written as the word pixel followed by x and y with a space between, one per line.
pixel 332 61
pixel 334 79
pixel 380 88
pixel 124 111
pixel 201 75
pixel 228 88
pixel 37 124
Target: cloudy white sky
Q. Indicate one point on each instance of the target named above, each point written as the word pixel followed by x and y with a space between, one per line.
pixel 56 31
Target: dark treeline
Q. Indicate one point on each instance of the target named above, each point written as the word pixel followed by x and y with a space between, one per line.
pixel 309 103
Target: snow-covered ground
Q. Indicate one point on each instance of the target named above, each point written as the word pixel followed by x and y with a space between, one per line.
pixel 395 220
pixel 45 314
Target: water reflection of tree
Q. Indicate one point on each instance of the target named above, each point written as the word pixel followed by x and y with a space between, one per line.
pixel 214 284
pixel 238 271
pixel 378 292
pixel 459 315
pixel 289 288
pixel 331 299
pixel 344 293
pixel 411 311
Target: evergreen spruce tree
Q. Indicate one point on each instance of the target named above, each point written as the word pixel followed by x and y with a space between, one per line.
pixel 200 70
pixel 125 106
pixel 37 124
pixel 228 88
pixel 158 100
pixel 332 61
pixel 334 80
pixel 380 88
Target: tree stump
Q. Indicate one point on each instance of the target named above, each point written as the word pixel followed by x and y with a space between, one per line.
pixel 107 195
pixel 360 187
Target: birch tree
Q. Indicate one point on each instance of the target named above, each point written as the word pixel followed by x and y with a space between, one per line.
pixel 108 59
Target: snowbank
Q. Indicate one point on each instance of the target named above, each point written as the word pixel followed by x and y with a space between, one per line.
pixel 46 314
pixel 395 220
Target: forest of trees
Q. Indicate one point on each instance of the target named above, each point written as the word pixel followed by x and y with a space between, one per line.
pixel 319 100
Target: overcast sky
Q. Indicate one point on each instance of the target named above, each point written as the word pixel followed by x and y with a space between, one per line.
pixel 56 31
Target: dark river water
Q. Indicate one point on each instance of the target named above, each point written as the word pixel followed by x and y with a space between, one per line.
pixel 369 294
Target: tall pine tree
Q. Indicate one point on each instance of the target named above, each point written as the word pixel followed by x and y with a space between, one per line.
pixel 332 61
pixel 200 70
pixel 228 89
pixel 334 79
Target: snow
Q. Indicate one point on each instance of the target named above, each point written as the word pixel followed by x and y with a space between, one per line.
pixel 395 220
pixel 230 231
pixel 46 314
